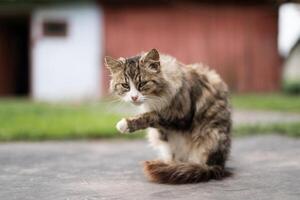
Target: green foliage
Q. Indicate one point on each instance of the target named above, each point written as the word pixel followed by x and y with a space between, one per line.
pixel 272 102
pixel 291 87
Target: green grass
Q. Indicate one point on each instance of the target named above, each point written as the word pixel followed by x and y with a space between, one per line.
pixel 267 102
pixel 22 119
pixel 289 129
pixel 25 120
pixel 271 102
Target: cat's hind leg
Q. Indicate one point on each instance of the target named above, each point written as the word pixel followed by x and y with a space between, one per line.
pixel 210 150
pixel 159 141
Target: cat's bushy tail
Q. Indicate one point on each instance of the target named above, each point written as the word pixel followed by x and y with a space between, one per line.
pixel 180 173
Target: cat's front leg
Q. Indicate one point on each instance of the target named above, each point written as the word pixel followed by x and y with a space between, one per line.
pixel 122 126
pixel 146 120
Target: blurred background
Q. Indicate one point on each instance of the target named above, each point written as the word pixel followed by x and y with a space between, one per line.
pixel 53 84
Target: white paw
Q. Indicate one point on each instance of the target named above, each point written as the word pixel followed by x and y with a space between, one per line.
pixel 122 126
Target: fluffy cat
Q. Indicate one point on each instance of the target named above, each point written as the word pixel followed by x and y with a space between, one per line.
pixel 186 112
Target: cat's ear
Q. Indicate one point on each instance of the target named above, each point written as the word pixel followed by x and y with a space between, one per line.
pixel 152 55
pixel 151 61
pixel 112 64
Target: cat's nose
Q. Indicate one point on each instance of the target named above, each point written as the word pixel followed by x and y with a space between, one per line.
pixel 134 98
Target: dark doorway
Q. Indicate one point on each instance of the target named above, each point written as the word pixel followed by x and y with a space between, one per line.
pixel 14 56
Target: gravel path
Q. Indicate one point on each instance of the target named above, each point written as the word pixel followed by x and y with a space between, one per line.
pixel 242 117
pixel 265 167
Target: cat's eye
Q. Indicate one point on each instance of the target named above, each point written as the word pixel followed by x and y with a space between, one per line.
pixel 142 83
pixel 153 66
pixel 125 85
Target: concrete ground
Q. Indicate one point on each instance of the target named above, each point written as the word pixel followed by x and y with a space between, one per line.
pixel 265 167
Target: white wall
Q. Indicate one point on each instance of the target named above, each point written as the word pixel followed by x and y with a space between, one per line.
pixel 291 72
pixel 289 27
pixel 67 68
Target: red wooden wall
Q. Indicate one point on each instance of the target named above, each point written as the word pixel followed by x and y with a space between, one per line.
pixel 240 42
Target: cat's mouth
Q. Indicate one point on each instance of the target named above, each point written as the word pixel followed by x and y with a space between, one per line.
pixel 137 103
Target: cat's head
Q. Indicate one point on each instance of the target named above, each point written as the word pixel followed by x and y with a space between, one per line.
pixel 136 79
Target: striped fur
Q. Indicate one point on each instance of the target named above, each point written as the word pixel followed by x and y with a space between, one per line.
pixel 180 173
pixel 186 111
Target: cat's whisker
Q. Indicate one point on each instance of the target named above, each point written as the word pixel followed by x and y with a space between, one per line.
pixel 116 100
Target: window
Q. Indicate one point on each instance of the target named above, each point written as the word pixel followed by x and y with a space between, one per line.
pixel 55 28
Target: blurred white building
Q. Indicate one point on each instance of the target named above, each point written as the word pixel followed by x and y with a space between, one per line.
pixel 289 40
pixel 66 52
pixel 52 52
